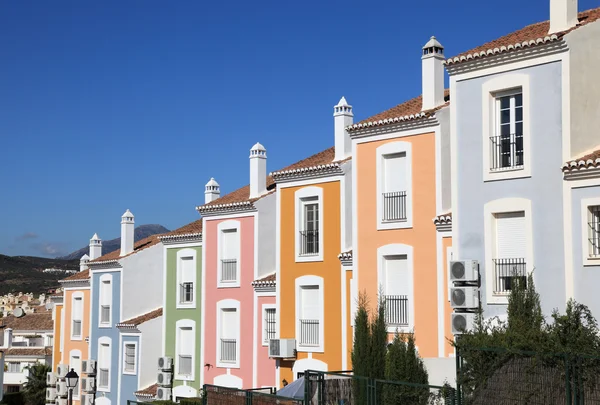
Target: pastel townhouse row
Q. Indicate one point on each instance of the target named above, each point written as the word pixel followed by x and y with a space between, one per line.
pixel 113 316
pixel 524 106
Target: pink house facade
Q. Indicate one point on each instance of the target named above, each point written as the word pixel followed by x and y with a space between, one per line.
pixel 239 252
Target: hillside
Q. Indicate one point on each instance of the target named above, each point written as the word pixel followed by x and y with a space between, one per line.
pixel 141 232
pixel 24 273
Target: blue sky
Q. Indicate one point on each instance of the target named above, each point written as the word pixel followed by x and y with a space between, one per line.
pixel 112 105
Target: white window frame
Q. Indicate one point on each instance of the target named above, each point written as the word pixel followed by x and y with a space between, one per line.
pixel 490 90
pixel 300 197
pixel 588 260
pixel 135 355
pixel 393 148
pixel 229 225
pixel 104 340
pixel 224 305
pixel 265 342
pixel 76 353
pixel 180 324
pixel 77 295
pixel 310 281
pixel 105 278
pixel 490 209
pixel 398 249
pixel 181 255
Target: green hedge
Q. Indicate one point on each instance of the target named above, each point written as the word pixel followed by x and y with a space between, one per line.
pixel 13 398
pixel 190 401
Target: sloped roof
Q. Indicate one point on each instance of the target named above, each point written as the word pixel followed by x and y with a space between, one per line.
pixel 190 229
pixel 82 275
pixel 267 280
pixel 34 322
pixel 588 161
pixel 138 247
pixel 28 351
pixel 531 35
pixel 138 320
pixel 149 392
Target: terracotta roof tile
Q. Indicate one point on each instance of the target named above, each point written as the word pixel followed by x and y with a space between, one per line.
pixel 35 321
pixel 82 275
pixel 191 228
pixel 270 278
pixel 21 351
pixel 139 246
pixel 588 161
pixel 529 33
pixel 138 320
pixel 243 194
pixel 443 219
pixel 148 391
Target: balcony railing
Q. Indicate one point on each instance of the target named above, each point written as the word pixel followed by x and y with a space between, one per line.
pixel 396 310
pixel 506 272
pixel 76 328
pixel 394 206
pixel 186 292
pixel 105 314
pixel 103 378
pixel 309 243
pixel 506 152
pixel 228 350
pixel 594 231
pixel 309 332
pixel 228 270
pixel 185 365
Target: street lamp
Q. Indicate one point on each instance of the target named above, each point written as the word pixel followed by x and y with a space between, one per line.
pixel 72 379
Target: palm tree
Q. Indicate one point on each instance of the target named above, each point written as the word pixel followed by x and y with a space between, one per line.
pixel 35 387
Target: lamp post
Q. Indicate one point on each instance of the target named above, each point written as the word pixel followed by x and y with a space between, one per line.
pixel 72 379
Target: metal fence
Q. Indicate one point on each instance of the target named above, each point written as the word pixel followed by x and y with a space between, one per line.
pixel 396 310
pixel 495 376
pixel 228 350
pixel 343 388
pixel 309 243
pixel 228 270
pixel 506 151
pixel 309 332
pixel 394 206
pixel 216 395
pixel 507 271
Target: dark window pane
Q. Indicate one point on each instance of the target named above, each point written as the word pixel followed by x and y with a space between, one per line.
pixel 518 100
pixel 505 130
pixel 519 128
pixel 504 116
pixel 519 114
pixel 504 102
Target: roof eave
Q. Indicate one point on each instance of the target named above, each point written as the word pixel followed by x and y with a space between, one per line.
pixel 393 125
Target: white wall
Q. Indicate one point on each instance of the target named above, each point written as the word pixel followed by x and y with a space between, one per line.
pixel 266 234
pixel 142 287
pixel 347 196
pixel 441 370
pixel 151 350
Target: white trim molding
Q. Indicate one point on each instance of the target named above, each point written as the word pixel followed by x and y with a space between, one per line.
pixel 264 324
pixel 182 255
pixel 489 91
pixel 104 340
pixel 300 366
pixel 124 357
pixel 105 279
pixel 315 193
pixel 180 324
pixel 310 281
pixel 490 209
pixel 224 305
pixel 588 260
pixel 222 227
pixel 398 249
pixel 392 148
pixel 76 353
pixel 77 295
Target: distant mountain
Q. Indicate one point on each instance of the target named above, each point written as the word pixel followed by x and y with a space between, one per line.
pixel 25 273
pixel 141 232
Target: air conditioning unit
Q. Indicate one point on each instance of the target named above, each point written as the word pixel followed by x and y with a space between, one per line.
pixel 164 378
pixel 165 363
pixel 61 389
pixel 88 384
pixel 62 401
pixel 282 348
pixel 464 270
pixel 62 370
pixel 87 399
pixel 89 366
pixel 464 297
pixel 50 394
pixel 163 394
pixel 50 378
pixel 462 322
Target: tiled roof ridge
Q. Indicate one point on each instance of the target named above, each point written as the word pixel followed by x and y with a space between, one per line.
pixel 345 255
pixel 115 255
pixel 79 276
pixel 268 280
pixel 442 219
pixel 590 160
pixel 140 319
pixel 148 392
pixel 528 36
pixel 189 230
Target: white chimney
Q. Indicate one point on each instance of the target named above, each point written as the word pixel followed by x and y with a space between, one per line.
pixel 563 15
pixel 8 337
pixel 212 191
pixel 95 247
pixel 83 262
pixel 258 170
pixel 342 117
pixel 432 74
pixel 127 233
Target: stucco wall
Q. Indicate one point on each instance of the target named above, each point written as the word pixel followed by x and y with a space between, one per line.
pixel 586 278
pixel 150 351
pixel 543 188
pixel 173 314
pixel 585 90
pixel 266 234
pixel 142 279
pixel 244 294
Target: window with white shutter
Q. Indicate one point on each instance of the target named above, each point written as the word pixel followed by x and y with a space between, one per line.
pixel 187 278
pixel 594 231
pixel 229 332
pixel 105 299
pixel 397 290
pixel 76 316
pixel 129 358
pixel 269 325
pixel 230 247
pixel 394 187
pixel 104 360
pixel 510 251
pixel 75 364
pixel 310 311
pixel 185 353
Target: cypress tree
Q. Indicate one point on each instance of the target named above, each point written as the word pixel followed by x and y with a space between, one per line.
pixel 403 363
pixel 361 350
pixel 379 339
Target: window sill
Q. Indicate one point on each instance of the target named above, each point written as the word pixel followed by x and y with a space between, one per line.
pixel 591 261
pixel 498 300
pixel 129 373
pixel 186 305
pixel 181 377
pixel 401 224
pixel 309 349
pixel 221 284
pixel 78 338
pixel 220 364
pixel 309 258
pixel 400 329
pixel 103 389
pixel 507 174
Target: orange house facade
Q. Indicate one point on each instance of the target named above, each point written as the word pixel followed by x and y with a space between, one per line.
pixel 401 185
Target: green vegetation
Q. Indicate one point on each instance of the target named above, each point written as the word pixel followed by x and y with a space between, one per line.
pixel 25 273
pixel 35 387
